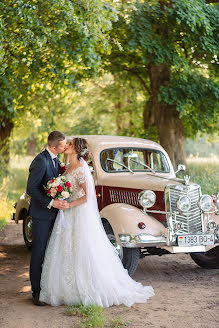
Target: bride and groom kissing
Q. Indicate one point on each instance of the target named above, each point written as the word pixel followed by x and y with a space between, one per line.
pixel 74 263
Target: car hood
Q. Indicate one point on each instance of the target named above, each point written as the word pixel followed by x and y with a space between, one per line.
pixel 139 181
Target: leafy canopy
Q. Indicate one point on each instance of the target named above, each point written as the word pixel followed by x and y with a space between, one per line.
pixel 48 41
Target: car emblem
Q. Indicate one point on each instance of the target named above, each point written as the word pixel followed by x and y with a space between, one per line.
pixel 187 178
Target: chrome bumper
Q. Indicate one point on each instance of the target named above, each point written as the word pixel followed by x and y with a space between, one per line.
pixel 145 240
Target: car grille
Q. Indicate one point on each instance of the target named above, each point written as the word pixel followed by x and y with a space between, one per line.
pixel 192 221
pixel 127 197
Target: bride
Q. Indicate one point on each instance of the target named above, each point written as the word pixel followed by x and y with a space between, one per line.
pixel 81 266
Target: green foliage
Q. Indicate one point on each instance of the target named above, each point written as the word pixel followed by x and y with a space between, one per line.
pixel 202 147
pixel 5 204
pixel 92 313
pixel 183 37
pixel 118 322
pixel 3 223
pixel 205 173
pixel 48 44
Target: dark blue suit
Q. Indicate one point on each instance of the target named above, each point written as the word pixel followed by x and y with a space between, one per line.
pixel 41 171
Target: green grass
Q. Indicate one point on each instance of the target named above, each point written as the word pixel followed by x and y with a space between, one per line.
pixel 92 314
pixel 118 322
pixel 205 173
pixel 12 185
pixel 3 223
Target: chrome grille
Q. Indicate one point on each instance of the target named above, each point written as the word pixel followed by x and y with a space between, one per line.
pixel 120 196
pixel 192 221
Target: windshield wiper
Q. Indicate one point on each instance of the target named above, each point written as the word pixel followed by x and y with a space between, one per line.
pixel 145 165
pixel 112 160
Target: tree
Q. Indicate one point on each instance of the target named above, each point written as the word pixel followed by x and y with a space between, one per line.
pixel 171 46
pixel 45 44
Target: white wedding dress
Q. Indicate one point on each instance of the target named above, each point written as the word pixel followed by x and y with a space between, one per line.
pixel 81 266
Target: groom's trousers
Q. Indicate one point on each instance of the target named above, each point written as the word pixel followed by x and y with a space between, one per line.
pixel 41 231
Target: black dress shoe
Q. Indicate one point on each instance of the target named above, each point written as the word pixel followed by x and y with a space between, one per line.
pixel 36 301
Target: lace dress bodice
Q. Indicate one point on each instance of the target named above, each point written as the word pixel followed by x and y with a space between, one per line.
pixel 76 178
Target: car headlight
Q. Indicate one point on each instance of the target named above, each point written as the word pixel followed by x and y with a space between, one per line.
pixel 147 198
pixel 205 203
pixel 183 203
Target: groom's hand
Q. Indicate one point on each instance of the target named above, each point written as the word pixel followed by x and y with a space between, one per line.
pixel 60 204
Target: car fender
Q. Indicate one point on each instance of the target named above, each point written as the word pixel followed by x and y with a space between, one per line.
pixel 124 219
pixel 23 203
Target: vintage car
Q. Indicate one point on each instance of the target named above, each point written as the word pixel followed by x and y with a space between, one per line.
pixel 144 208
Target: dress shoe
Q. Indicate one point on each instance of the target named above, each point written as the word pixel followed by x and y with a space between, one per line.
pixel 36 301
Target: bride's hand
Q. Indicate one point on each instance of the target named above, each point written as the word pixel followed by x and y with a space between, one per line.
pixel 71 204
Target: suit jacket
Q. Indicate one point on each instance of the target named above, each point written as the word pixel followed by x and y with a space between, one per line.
pixel 41 171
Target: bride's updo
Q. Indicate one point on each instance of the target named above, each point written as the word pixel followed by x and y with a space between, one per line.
pixel 81 148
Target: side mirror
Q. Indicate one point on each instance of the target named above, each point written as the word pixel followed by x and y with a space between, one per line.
pixel 181 167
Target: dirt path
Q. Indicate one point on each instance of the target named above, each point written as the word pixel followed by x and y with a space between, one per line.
pixel 186 295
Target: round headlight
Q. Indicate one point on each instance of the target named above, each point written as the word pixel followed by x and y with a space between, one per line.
pixel 184 203
pixel 205 203
pixel 147 198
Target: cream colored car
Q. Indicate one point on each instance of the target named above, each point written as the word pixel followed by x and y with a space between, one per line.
pixel 144 208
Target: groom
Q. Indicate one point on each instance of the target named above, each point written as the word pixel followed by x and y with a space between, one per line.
pixel 43 209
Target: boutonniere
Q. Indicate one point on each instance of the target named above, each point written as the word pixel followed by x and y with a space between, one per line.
pixel 62 165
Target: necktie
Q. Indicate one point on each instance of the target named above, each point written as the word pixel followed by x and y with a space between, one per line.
pixel 56 164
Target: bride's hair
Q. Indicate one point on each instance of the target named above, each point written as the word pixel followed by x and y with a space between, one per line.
pixel 81 148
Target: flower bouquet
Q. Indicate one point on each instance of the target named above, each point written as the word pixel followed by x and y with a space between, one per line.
pixel 59 188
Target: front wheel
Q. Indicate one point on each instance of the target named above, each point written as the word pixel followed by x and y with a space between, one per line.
pixel 208 260
pixel 27 231
pixel 129 256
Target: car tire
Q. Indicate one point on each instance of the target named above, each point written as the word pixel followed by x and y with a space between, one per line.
pixel 208 260
pixel 129 256
pixel 27 231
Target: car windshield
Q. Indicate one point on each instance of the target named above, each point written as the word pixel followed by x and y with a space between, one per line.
pixel 133 159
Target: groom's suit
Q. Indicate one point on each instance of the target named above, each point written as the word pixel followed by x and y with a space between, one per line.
pixel 41 170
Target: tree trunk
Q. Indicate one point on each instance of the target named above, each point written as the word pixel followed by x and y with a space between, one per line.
pixel 6 126
pixel 31 146
pixel 169 125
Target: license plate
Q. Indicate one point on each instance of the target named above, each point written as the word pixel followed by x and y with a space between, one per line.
pixel 193 240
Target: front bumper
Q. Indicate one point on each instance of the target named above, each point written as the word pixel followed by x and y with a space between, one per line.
pixel 146 240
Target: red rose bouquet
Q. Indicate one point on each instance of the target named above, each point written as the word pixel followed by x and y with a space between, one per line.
pixel 59 188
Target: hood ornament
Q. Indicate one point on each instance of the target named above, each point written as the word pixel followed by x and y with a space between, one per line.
pixel 186 178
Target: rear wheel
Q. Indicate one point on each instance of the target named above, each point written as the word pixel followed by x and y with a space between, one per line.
pixel 208 260
pixel 27 231
pixel 129 256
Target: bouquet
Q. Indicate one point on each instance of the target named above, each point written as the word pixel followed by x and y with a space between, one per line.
pixel 59 188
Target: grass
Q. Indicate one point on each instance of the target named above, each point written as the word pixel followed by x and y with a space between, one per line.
pixel 92 316
pixel 12 187
pixel 205 172
pixel 118 322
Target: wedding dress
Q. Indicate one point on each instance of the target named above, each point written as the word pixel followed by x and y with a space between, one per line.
pixel 81 266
